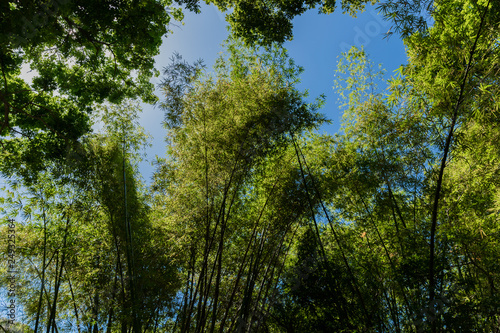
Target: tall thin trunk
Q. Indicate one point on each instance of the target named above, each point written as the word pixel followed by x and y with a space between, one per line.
pixel 130 255
pixel 42 287
pixel 75 309
pixel 58 279
pixel 444 159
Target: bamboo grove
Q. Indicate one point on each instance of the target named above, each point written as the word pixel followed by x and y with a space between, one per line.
pixel 253 221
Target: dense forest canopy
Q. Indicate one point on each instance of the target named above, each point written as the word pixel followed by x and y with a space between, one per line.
pixel 253 222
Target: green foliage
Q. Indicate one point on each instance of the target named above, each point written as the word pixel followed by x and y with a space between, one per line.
pixel 253 223
pixel 83 54
pixel 267 21
pixel 227 190
pixel 381 177
pixel 92 257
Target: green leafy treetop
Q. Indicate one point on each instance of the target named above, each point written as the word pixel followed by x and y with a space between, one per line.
pixel 83 53
pixel 267 21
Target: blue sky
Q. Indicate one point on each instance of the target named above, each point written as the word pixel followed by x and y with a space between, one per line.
pixel 318 42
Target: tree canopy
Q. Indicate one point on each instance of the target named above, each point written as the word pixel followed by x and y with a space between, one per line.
pixel 253 221
pixel 83 53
